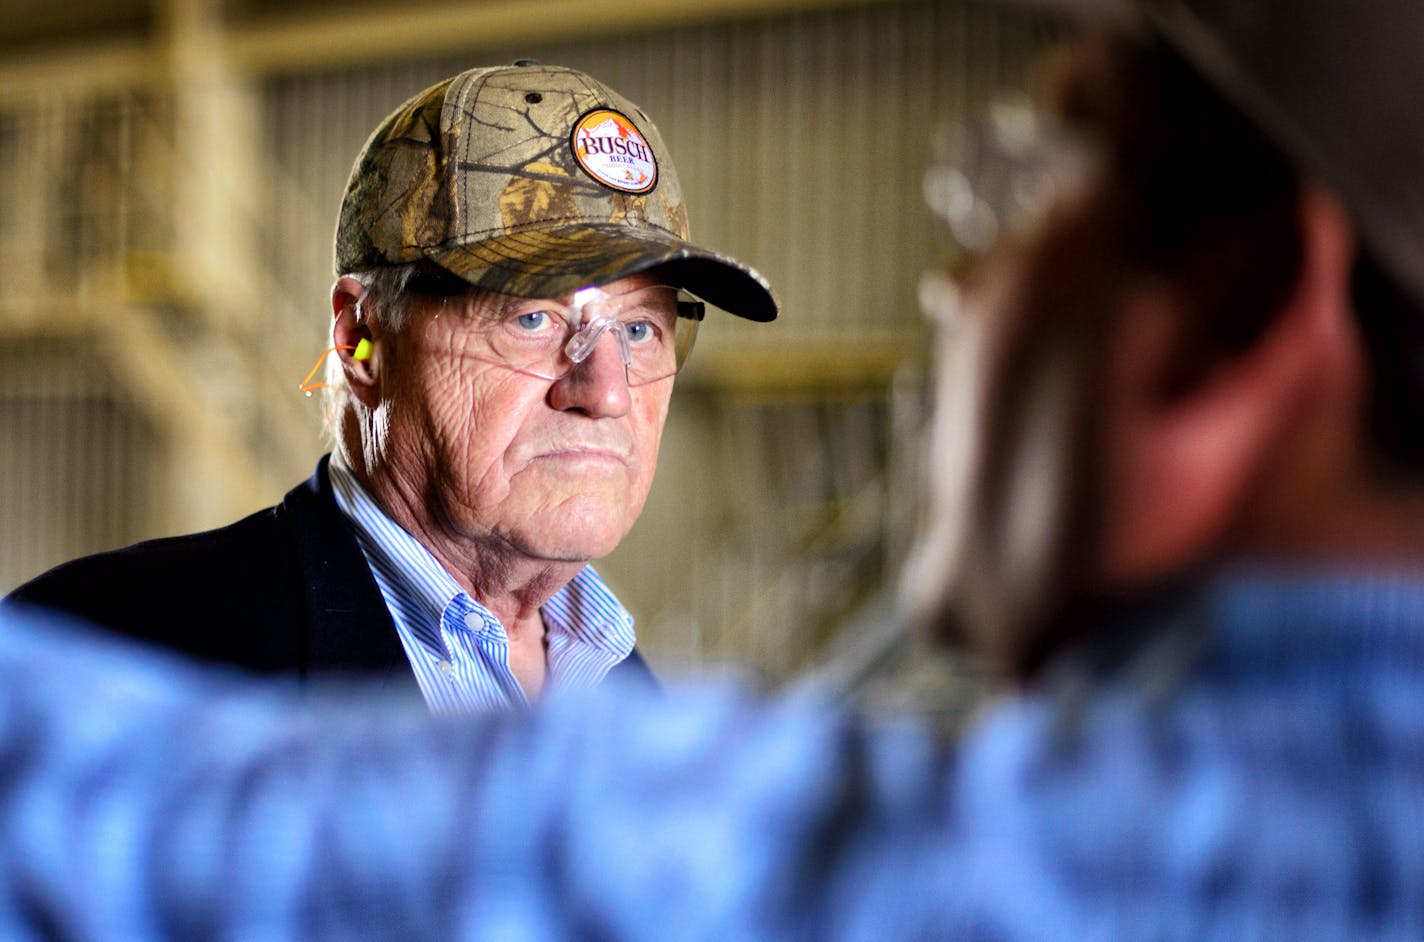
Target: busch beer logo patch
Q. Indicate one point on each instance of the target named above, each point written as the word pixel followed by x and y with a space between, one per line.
pixel 611 150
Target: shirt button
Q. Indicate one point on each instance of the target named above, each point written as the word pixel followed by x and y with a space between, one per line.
pixel 447 668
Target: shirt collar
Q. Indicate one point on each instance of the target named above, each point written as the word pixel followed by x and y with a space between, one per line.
pixel 412 579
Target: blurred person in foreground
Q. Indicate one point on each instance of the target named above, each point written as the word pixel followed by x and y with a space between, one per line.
pixel 1190 523
pixel 508 320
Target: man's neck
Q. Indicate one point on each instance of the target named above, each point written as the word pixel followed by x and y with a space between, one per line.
pixel 506 579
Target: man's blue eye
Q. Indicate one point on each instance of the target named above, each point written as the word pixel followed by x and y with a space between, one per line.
pixel 638 331
pixel 533 320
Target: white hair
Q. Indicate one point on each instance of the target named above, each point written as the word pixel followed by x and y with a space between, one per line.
pixel 385 303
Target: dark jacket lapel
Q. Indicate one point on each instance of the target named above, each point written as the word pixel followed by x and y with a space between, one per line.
pixel 349 628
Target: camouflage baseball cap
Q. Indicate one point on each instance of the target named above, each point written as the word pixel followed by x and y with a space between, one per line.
pixel 530 180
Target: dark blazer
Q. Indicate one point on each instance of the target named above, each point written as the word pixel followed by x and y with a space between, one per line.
pixel 283 591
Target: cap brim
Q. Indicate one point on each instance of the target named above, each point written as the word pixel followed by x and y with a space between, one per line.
pixel 551 263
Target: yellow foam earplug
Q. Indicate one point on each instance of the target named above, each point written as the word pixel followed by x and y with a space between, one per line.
pixel 363 349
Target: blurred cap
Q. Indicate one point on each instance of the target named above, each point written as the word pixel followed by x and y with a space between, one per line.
pixel 534 181
pixel 1336 84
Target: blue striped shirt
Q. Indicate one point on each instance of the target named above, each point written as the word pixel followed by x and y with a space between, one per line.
pixel 456 646
pixel 1254 772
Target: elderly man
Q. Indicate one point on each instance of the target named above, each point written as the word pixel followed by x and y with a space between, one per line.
pixel 1195 531
pixel 508 318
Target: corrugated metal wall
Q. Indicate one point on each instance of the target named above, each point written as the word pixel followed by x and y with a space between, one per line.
pixel 77 461
pixel 79 457
pixel 786 491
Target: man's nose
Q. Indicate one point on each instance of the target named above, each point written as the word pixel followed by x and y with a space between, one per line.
pixel 597 386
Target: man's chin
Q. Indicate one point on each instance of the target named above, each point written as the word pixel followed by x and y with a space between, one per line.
pixel 573 551
pixel 570 520
pixel 575 538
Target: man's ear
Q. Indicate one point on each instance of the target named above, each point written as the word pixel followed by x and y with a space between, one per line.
pixel 1181 470
pixel 355 340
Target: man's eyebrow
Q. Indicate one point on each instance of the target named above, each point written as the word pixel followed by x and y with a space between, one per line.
pixel 498 305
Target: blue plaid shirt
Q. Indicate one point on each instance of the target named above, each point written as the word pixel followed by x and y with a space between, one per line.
pixel 1253 768
pixel 457 647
